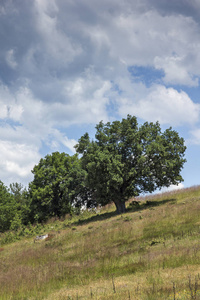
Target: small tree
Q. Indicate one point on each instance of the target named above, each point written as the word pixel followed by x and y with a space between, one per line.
pixel 22 201
pixel 8 208
pixel 56 186
pixel 126 159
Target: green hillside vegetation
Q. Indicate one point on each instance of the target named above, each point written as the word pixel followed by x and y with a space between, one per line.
pixel 123 161
pixel 150 252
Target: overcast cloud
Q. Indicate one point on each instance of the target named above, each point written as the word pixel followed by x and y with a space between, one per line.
pixel 66 65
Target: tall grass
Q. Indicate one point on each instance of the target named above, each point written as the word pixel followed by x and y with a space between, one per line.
pixel 151 252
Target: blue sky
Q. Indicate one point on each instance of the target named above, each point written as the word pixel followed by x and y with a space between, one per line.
pixel 66 65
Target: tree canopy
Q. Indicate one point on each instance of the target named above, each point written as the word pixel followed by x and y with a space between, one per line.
pixel 126 159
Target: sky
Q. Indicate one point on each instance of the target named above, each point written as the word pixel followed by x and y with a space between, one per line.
pixel 65 65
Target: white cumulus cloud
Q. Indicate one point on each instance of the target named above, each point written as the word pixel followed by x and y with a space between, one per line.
pixel 166 105
pixel 17 160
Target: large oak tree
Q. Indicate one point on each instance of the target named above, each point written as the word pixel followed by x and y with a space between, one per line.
pixel 126 159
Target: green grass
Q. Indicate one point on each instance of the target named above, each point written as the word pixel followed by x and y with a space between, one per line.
pixel 151 252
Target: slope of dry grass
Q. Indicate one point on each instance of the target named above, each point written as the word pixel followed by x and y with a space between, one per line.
pixel 151 252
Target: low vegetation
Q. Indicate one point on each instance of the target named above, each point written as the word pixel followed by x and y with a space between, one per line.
pixel 150 252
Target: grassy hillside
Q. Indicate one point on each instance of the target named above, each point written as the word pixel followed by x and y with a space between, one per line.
pixel 151 252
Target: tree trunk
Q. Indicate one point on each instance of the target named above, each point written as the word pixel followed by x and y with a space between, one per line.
pixel 120 206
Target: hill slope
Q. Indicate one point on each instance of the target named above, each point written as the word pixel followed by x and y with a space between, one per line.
pixel 151 252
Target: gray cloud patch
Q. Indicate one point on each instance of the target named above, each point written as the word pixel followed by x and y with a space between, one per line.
pixel 190 8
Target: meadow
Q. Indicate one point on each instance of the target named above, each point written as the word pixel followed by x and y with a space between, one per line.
pixel 150 252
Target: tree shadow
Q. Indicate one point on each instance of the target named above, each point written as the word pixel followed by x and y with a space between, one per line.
pixel 137 207
pixel 97 217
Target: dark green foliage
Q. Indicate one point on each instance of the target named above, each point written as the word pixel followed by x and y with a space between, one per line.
pixel 14 206
pixel 126 160
pixel 22 201
pixel 57 185
pixel 8 208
